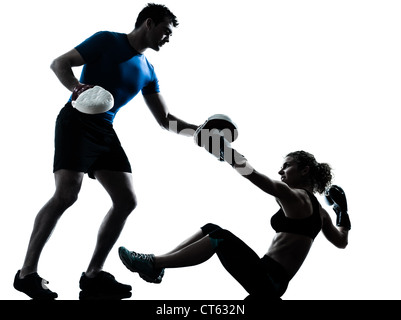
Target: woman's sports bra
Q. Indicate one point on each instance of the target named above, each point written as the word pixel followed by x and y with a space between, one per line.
pixel 309 226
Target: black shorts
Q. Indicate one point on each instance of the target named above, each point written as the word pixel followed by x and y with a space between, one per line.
pixel 86 143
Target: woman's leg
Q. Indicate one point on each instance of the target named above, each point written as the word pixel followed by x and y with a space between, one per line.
pixel 194 238
pixel 195 250
pixel 206 229
pixel 236 257
pixel 191 254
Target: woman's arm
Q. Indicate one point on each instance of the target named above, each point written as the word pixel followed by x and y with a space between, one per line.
pixel 278 189
pixel 290 199
pixel 336 235
pixel 275 188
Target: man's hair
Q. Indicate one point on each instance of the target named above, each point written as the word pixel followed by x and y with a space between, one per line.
pixel 158 13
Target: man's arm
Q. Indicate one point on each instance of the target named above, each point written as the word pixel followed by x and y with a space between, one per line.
pixel 166 120
pixel 62 67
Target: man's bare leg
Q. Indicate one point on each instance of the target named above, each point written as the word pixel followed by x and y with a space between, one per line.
pixel 68 185
pixel 120 188
pixel 95 283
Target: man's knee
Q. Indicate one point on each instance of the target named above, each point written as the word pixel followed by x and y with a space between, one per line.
pixel 65 198
pixel 68 186
pixel 130 203
pixel 126 203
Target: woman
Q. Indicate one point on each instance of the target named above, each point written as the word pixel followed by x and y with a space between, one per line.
pixel 297 223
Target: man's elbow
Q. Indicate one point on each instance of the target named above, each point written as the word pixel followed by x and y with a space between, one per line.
pixel 164 123
pixel 169 123
pixel 55 65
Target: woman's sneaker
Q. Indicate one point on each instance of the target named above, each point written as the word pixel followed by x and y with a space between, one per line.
pixel 34 286
pixel 142 264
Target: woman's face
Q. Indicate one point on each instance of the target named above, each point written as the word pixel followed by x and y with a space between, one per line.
pixel 290 173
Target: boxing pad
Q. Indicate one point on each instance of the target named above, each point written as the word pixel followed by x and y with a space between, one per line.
pixel 226 127
pixel 92 99
pixel 335 196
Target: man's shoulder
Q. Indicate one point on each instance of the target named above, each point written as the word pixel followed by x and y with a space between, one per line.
pixel 109 36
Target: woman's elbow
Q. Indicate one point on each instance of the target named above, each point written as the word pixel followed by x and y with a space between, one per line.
pixel 342 244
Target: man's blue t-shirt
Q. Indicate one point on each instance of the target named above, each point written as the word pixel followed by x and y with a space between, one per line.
pixel 111 62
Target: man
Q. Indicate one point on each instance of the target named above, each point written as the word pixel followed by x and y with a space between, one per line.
pixel 88 143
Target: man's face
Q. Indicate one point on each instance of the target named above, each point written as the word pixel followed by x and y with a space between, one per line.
pixel 159 34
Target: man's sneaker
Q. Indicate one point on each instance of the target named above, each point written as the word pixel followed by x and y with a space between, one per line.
pixel 34 286
pixel 103 286
pixel 142 264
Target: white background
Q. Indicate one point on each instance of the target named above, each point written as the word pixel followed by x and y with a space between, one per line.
pixel 322 76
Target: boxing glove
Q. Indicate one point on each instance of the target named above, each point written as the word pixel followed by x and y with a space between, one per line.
pixel 221 148
pixel 79 89
pixel 217 145
pixel 335 196
pixel 91 99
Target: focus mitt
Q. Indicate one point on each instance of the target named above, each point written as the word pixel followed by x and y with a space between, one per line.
pixel 226 127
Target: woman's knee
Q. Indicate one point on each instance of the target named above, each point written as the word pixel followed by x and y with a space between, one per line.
pixel 222 234
pixel 217 234
pixel 209 228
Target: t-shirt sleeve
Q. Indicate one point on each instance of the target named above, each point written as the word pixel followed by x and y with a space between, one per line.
pixel 152 86
pixel 92 48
